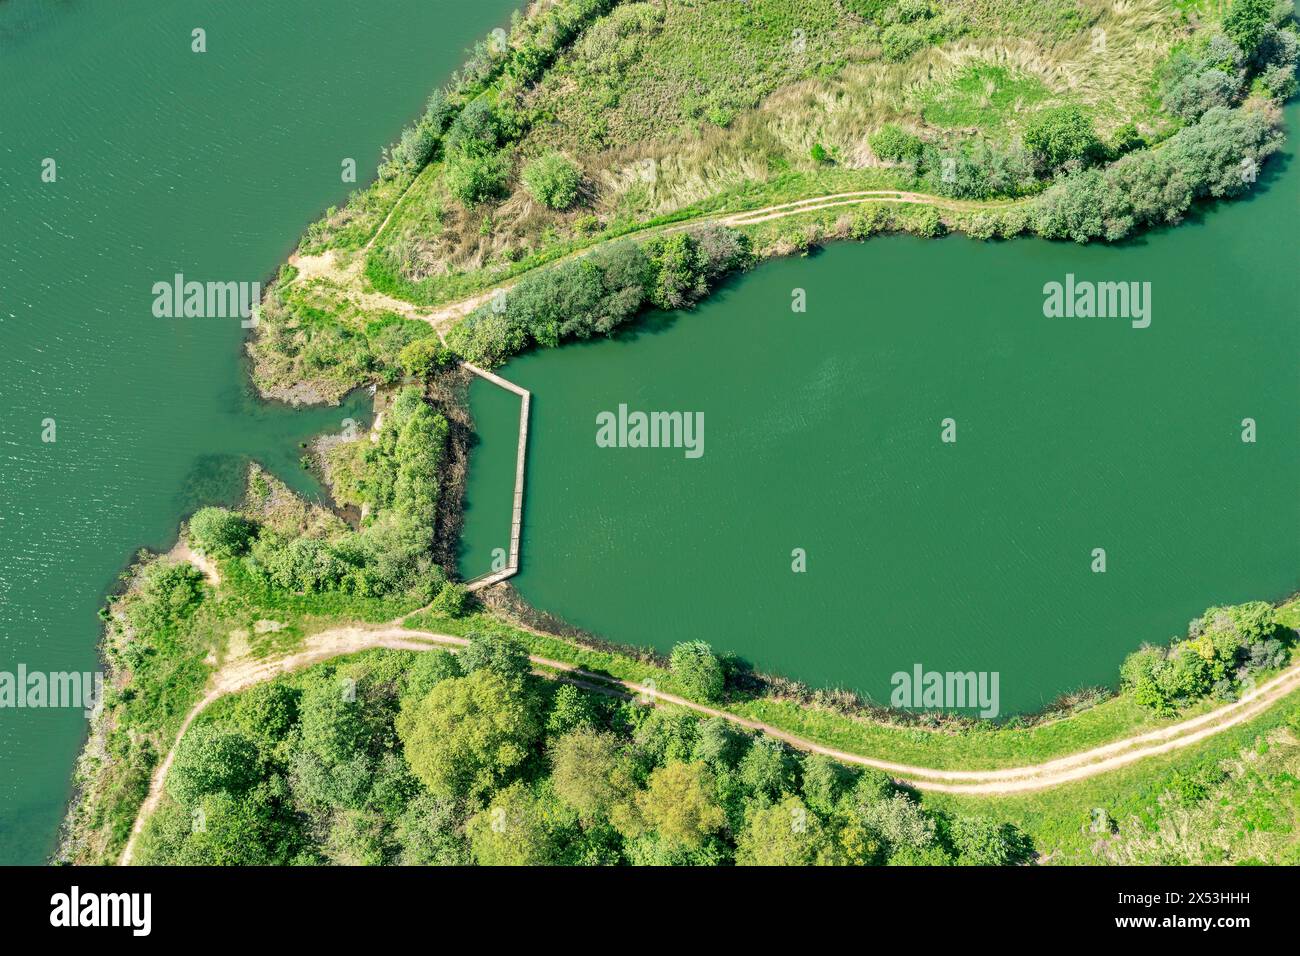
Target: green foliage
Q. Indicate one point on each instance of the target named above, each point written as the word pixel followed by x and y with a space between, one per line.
pixel 677 806
pixel 982 842
pixel 519 828
pixel 266 713
pixel 894 144
pixel 427 671
pixel 473 178
pixel 782 834
pixel 599 292
pixel 1248 21
pixel 477 131
pixel 421 357
pixel 1062 135
pixel 225 829
pixel 168 594
pixel 678 269
pixel 452 600
pixel 498 653
pixel 699 669
pixel 1223 646
pixel 824 781
pixel 571 710
pixel 900 41
pixel 552 180
pixel 428 832
pixel 220 533
pixel 209 760
pixel 1159 185
pixel 590 773
pixel 400 757
pixel 397 477
pixel 768 768
pixel 468 734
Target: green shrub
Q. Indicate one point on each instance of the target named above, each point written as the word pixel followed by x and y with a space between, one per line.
pixel 169 592
pixel 900 41
pixel 477 178
pixel 219 533
pixel 421 357
pixel 895 144
pixel 452 600
pixel 209 759
pixel 552 180
pixel 1060 135
pixel 699 670
pixel 926 222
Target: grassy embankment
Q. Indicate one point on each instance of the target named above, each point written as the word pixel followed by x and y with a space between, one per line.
pixel 599 120
pixel 819 717
pixel 513 769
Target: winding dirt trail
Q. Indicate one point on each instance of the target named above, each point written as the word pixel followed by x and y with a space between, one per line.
pixel 240 674
pixel 352 283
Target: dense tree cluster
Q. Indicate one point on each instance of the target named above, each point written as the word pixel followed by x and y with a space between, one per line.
pixel 395 478
pixel 1218 154
pixel 433 758
pixel 1224 650
pixel 595 294
pixel 1217 157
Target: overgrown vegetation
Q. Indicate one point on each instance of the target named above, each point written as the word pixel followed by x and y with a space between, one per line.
pixel 599 292
pixel 287 569
pixel 1226 649
pixel 423 758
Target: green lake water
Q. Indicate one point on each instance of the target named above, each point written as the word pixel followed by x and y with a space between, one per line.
pixel 167 161
pixel 822 432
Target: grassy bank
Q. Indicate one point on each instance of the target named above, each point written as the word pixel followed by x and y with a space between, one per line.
pixel 833 721
pixel 597 121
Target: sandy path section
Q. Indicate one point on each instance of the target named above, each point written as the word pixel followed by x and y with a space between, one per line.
pixel 240 674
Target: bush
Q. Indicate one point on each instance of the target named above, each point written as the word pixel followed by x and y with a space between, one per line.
pixel 599 292
pixel 476 131
pixel 699 670
pixel 209 759
pixel 1248 22
pixel 168 594
pixel 1061 135
pixel 416 147
pixel 219 533
pixel 1207 159
pixel 469 734
pixel 894 144
pixel 900 41
pixel 678 270
pixel 1193 95
pixel 926 222
pixel 421 357
pixel 473 179
pixel 552 180
pixel 504 656
pixel 451 600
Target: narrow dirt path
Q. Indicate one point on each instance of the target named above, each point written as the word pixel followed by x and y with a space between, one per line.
pixel 241 674
pixel 442 317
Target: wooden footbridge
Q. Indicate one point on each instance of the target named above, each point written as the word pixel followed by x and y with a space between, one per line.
pixel 517 510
